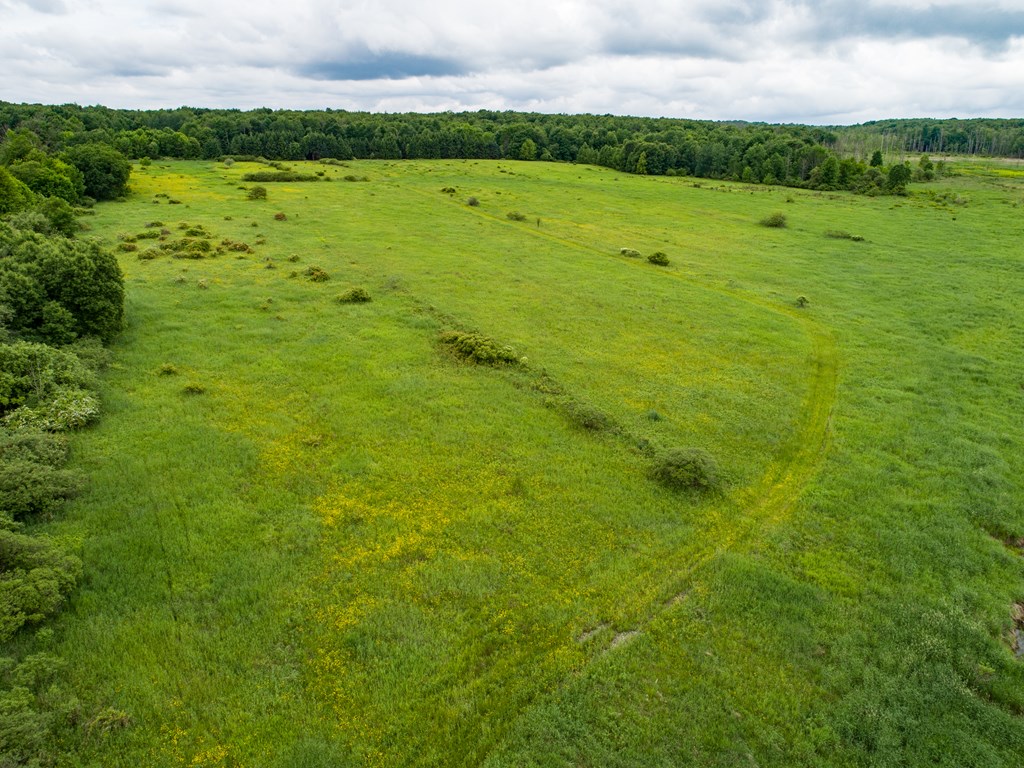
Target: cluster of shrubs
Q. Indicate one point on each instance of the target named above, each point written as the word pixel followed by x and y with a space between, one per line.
pixel 196 242
pixel 284 175
pixel 659 258
pixel 317 274
pixel 354 296
pixel 58 299
pixel 687 469
pixel 841 235
pixel 478 348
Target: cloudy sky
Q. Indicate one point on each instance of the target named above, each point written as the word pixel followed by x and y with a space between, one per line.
pixel 823 62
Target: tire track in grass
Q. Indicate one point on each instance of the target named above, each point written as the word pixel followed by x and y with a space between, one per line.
pixel 735 524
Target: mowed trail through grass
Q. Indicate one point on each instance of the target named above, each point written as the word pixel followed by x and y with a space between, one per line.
pixel 348 547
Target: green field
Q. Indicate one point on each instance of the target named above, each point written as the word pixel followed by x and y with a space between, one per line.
pixel 313 536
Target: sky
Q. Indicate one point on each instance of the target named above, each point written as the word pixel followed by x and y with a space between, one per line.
pixel 827 62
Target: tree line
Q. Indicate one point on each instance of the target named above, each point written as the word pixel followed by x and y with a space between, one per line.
pixel 794 155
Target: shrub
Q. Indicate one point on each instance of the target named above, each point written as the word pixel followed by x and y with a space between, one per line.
pixel 776 220
pixel 516 216
pixel 280 175
pixel 127 247
pixel 167 369
pixel 688 469
pixel 659 258
pixel 257 193
pixel 38 373
pixel 478 348
pixel 81 276
pixel 30 487
pixel 316 274
pixel 280 216
pixel 39 447
pixel 449 190
pixel 193 388
pixel 586 416
pixel 36 575
pixel 630 252
pixel 472 202
pixel 354 296
pixel 104 169
pixel 68 408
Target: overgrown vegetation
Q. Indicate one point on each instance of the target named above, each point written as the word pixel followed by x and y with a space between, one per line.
pixel 478 348
pixel 687 469
pixel 58 299
pixel 354 296
pixel 775 220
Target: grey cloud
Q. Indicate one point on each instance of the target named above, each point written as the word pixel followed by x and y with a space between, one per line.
pixel 981 24
pixel 44 6
pixel 385 65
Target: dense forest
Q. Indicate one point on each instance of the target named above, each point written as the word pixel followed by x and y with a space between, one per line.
pixel 851 157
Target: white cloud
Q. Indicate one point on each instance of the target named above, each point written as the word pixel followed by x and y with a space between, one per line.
pixel 776 60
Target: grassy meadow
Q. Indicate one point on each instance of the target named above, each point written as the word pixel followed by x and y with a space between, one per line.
pixel 314 536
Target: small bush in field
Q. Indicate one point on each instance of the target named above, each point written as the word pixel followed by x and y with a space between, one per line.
pixel 659 258
pixel 687 469
pixel 586 416
pixel 516 216
pixel 317 274
pixel 478 348
pixel 354 296
pixel 167 369
pixel 472 202
pixel 193 388
pixel 257 193
pixel 775 220
pixel 280 216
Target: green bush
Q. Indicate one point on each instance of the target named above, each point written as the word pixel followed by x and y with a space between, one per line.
pixel 478 348
pixel 659 258
pixel 776 220
pixel 36 373
pixel 688 469
pixel 516 216
pixel 630 252
pixel 68 408
pixel 39 447
pixel 257 193
pixel 472 202
pixel 29 487
pixel 271 176
pixel 316 274
pixel 82 277
pixel 104 169
pixel 354 296
pixel 586 416
pixel 33 703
